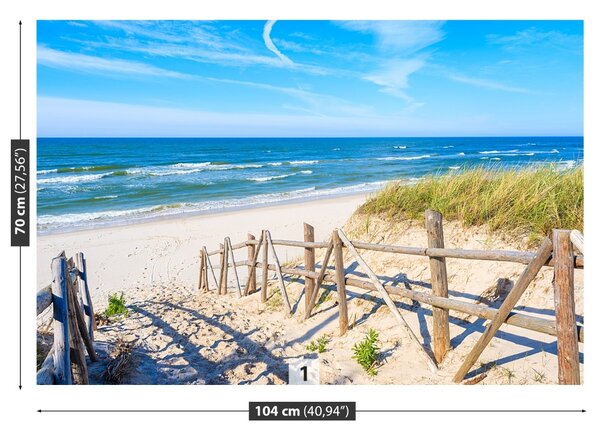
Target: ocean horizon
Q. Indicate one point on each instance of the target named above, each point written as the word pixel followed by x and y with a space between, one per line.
pixel 92 182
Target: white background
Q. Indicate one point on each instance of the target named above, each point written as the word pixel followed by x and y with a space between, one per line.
pixel 19 407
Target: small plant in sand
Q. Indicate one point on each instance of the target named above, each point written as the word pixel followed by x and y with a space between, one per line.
pixel 366 352
pixel 510 375
pixel 319 346
pixel 539 376
pixel 116 306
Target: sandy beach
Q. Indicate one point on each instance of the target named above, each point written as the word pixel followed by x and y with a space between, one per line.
pixel 165 251
pixel 182 336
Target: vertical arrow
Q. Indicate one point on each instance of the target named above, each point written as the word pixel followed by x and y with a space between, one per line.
pixel 20 274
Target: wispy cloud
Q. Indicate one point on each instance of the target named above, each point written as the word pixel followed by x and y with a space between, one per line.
pixel 94 64
pixel 535 38
pixel 485 83
pixel 323 104
pixel 393 78
pixel 197 42
pixel 400 37
pixel 269 43
pixel 401 47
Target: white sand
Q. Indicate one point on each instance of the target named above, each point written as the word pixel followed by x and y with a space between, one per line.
pixel 184 337
pixel 164 251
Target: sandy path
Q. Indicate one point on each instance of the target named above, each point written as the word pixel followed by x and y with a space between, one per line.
pixel 120 258
pixel 183 336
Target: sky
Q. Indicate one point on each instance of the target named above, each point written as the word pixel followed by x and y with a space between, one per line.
pixel 309 78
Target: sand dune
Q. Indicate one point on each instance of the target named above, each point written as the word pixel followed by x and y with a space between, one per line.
pixel 186 337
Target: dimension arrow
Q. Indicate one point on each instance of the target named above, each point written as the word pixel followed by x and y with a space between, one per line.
pixel 358 411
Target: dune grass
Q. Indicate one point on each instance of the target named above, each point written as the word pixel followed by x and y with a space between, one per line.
pixel 529 201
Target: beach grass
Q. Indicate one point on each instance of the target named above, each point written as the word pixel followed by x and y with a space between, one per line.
pixel 528 201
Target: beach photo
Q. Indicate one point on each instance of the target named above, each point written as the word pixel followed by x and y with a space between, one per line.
pixel 310 202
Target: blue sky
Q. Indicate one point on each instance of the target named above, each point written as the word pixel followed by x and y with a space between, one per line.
pixel 310 78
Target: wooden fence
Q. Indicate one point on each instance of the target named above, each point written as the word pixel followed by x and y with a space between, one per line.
pixel 73 322
pixel 557 253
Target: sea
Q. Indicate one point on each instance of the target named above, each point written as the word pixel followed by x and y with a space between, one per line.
pixel 91 182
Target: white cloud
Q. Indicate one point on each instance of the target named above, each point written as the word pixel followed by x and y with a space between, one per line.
pixel 400 37
pixel 532 37
pixel 316 103
pixel 393 78
pixel 93 64
pixel 485 83
pixel 401 47
pixel 269 43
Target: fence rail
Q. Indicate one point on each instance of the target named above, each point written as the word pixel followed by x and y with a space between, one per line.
pixel 73 322
pixel 557 253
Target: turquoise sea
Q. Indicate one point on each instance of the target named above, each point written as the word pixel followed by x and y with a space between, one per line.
pixel 88 182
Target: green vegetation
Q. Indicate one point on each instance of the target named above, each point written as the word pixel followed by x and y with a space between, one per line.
pixel 529 201
pixel 318 346
pixel 116 306
pixel 366 352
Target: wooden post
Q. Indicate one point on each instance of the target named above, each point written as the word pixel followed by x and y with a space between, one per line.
pixel 201 273
pixel 315 294
pixel 282 289
pixel 439 284
pixel 390 303
pixel 251 287
pixel 526 277
pixel 205 275
pixel 252 275
pixel 237 279
pixel 84 291
pixel 79 367
pixel 62 357
pixel 309 265
pixel 212 271
pixel 340 280
pixel 265 270
pixel 82 327
pixel 564 303
pixel 222 269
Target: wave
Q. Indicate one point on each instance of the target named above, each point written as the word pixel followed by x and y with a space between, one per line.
pixel 448 146
pixel 425 156
pixel 71 221
pixel 454 168
pixel 336 149
pixel 47 171
pixel 269 178
pixel 73 179
pixel 191 165
pixel 303 162
pixel 275 164
pixel 497 151
pixel 461 154
pixel 306 172
pixel 402 147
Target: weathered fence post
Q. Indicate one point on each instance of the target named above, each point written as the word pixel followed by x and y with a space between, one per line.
pixel 340 281
pixel 564 303
pixel 205 259
pixel 79 366
pixel 309 265
pixel 222 270
pixel 62 357
pixel 201 273
pixel 265 269
pixel 439 284
pixel 235 274
pixel 251 268
pixel 84 291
